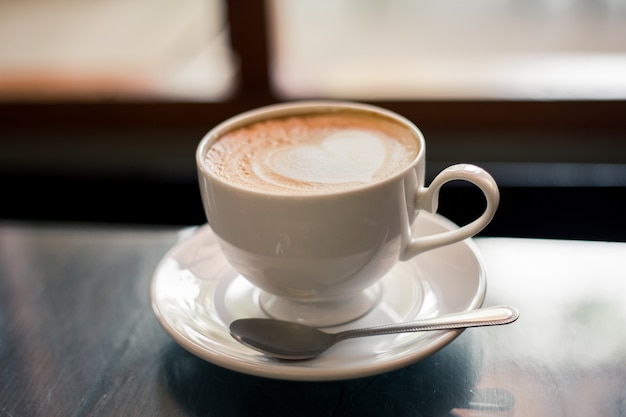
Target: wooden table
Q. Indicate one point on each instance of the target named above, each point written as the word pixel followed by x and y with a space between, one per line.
pixel 78 338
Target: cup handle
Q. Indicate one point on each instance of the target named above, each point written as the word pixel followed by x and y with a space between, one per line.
pixel 427 199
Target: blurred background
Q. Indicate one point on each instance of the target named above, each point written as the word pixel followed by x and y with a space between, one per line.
pixel 102 103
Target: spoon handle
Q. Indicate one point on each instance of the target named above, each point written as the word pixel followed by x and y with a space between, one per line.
pixel 489 316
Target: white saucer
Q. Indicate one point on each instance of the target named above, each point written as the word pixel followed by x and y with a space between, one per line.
pixel 196 295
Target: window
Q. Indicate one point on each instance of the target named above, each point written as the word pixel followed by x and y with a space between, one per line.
pixel 103 49
pixel 450 49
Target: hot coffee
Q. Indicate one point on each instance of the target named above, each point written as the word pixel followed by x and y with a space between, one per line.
pixel 314 202
pixel 313 153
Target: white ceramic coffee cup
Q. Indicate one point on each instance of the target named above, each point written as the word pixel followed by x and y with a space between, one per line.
pixel 317 258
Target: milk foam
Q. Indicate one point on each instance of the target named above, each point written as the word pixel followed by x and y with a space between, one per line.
pixel 314 153
pixel 342 157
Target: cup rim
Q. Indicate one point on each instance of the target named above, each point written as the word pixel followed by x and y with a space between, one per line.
pixel 294 108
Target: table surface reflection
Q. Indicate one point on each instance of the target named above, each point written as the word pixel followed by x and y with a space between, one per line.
pixel 78 338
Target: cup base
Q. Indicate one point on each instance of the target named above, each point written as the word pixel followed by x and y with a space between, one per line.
pixel 325 313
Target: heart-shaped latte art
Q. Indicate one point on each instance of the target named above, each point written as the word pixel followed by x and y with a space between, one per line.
pixel 345 156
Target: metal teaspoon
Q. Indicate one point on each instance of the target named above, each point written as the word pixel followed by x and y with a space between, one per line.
pixel 294 341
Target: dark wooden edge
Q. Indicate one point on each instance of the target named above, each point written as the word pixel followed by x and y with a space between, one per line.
pixel 509 115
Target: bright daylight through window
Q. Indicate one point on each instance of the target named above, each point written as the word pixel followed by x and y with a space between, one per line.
pixel 403 49
pixel 114 49
pixel 358 49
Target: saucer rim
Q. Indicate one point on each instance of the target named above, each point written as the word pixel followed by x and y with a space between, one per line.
pixel 317 374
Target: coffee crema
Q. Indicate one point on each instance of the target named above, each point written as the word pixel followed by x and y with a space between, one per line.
pixel 314 153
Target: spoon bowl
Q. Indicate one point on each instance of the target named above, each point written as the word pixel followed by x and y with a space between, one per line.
pixel 294 341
